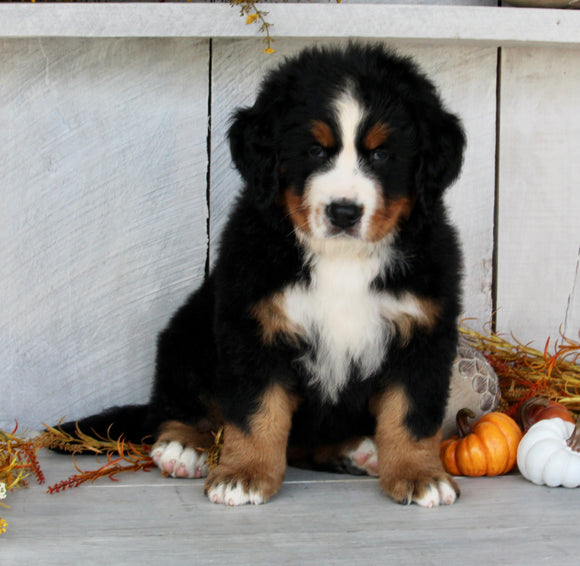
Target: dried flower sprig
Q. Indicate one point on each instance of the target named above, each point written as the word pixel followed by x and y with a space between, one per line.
pixel 122 456
pixel 524 371
pixel 56 438
pixel 3 522
pixel 213 454
pixel 18 462
pixel 253 14
pixel 130 459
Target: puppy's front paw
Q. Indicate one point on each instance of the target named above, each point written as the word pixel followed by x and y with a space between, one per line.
pixel 422 489
pixel 230 487
pixel 179 461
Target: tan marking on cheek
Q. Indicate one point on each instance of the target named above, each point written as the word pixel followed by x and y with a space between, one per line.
pixel 407 466
pixel 322 133
pixel 376 136
pixel 387 217
pixel 274 323
pixel 297 209
pixel 256 459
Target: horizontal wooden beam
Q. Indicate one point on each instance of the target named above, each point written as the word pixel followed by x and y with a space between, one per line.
pixel 479 25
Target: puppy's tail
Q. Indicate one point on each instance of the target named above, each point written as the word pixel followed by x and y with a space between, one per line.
pixel 129 422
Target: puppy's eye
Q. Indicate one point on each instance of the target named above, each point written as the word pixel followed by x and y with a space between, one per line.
pixel 317 152
pixel 379 155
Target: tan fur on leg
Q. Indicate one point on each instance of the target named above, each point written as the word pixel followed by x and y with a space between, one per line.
pixel 252 464
pixel 409 469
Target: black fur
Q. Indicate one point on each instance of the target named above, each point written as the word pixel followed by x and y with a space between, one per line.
pixel 211 352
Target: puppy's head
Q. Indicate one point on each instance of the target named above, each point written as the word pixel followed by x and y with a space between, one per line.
pixel 348 142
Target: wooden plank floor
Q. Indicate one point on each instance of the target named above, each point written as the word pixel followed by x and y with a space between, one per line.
pixel 316 519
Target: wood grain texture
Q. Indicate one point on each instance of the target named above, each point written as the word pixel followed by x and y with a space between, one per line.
pixel 103 217
pixel 539 194
pixel 322 519
pixel 481 25
pixel 466 78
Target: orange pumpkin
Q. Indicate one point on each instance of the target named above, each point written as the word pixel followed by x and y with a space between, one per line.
pixel 489 448
pixel 538 408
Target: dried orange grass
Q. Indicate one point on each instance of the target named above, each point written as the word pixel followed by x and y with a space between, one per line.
pixel 122 456
pixel 18 462
pixel 524 372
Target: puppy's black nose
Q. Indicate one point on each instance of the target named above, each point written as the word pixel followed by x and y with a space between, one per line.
pixel 344 213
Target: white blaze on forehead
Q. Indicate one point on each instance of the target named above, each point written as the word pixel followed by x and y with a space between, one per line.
pixel 344 179
pixel 349 115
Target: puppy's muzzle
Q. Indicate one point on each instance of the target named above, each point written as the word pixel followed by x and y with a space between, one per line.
pixel 344 214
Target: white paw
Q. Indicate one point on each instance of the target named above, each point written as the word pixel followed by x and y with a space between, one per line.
pixel 234 494
pixel 441 493
pixel 178 461
pixel 364 457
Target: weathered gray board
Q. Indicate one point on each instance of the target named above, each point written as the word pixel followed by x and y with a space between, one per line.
pixel 103 216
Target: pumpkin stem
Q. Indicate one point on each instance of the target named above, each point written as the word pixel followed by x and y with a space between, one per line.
pixel 529 410
pixel 461 421
pixel 574 440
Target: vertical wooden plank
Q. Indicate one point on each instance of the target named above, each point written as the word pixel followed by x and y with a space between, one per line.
pixel 466 78
pixel 539 196
pixel 103 217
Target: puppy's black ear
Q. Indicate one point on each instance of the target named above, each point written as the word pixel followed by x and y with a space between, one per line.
pixel 252 140
pixel 441 145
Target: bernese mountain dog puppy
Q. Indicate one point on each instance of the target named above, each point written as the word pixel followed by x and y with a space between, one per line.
pixel 330 316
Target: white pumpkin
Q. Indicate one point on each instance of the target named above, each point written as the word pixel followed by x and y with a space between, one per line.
pixel 544 456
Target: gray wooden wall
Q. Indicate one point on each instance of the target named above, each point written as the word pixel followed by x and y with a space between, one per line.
pixel 111 199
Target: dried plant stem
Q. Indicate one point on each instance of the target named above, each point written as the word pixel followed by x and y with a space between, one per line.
pixel 122 456
pixel 254 15
pixel 18 462
pixel 525 372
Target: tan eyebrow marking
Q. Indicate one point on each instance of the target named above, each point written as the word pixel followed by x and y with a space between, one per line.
pixel 377 136
pixel 322 133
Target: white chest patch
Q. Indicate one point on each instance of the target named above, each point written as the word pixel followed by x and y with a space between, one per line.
pixel 342 318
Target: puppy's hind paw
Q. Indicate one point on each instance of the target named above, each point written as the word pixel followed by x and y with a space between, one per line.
pixel 178 461
pixel 363 458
